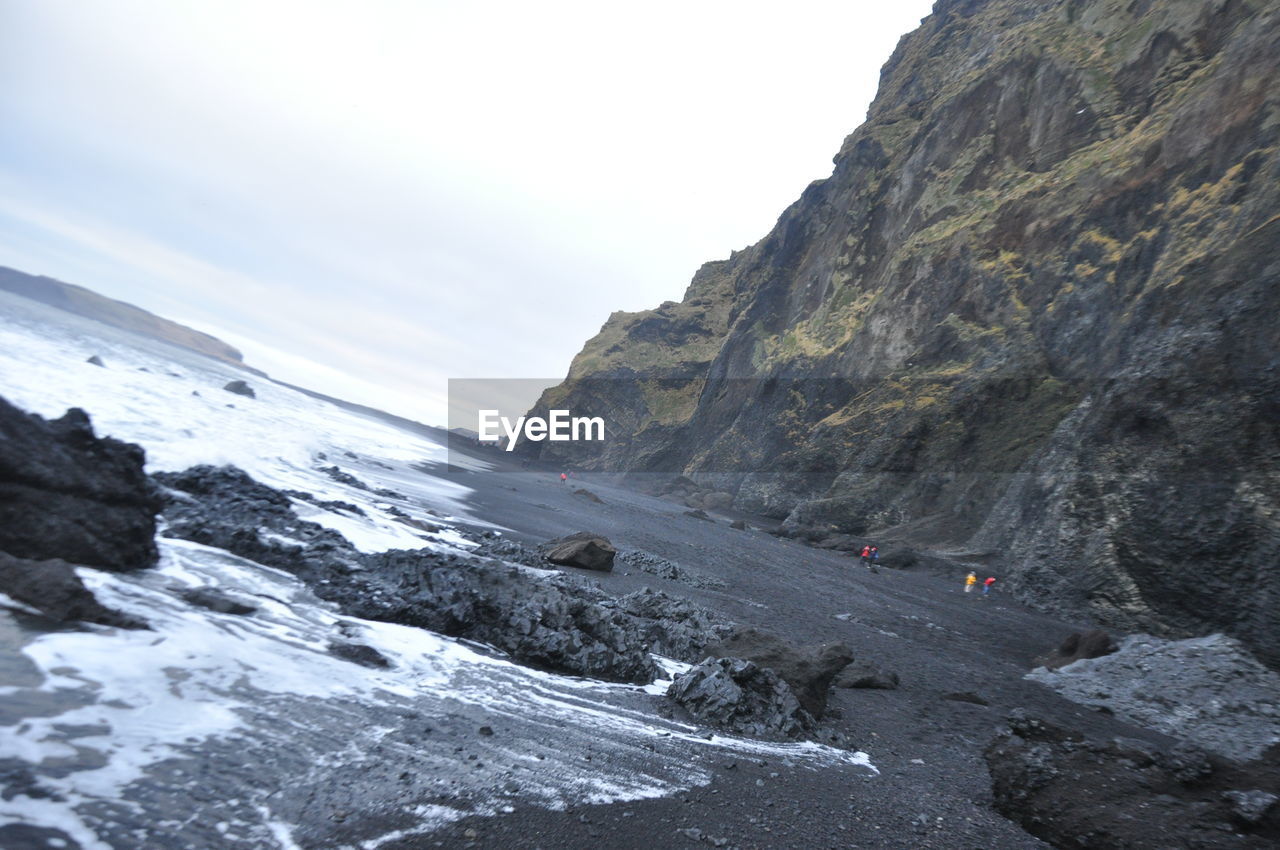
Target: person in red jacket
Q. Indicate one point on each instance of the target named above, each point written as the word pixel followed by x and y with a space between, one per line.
pixel 866 556
pixel 986 585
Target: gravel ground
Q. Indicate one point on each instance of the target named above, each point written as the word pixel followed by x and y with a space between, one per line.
pixel 933 789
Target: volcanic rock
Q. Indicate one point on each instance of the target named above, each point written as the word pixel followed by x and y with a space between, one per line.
pixel 1250 806
pixel 1210 691
pixel 584 550
pixel 664 568
pixel 1125 793
pixel 66 493
pixel 53 588
pixel 216 601
pixel 240 388
pixel 672 626
pixel 359 653
pixel 742 697
pixel 808 670
pixel 1091 644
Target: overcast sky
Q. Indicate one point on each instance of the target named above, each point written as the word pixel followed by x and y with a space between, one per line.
pixel 370 198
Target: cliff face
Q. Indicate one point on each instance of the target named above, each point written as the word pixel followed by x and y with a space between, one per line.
pixel 1031 316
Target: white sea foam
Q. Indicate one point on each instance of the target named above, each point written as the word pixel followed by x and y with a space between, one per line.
pixel 134 713
pixel 172 403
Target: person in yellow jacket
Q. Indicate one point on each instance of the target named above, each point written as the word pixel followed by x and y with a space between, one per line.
pixel 969 581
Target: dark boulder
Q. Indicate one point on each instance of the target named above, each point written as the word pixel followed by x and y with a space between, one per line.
pixel 698 513
pixel 741 696
pixel 216 601
pixel 965 696
pixel 53 588
pixel 1251 807
pixel 359 653
pixel 1090 644
pixel 95 360
pixel 584 550
pixel 347 478
pixel 66 493
pixel 738 525
pixel 240 388
pixel 584 493
pixel 808 670
pixel 864 674
pixel 1074 792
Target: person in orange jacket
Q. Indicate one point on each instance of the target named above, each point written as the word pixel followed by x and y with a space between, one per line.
pixel 969 581
pixel 866 556
pixel 564 478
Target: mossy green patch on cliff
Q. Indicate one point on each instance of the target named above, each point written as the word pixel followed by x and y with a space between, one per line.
pixel 671 402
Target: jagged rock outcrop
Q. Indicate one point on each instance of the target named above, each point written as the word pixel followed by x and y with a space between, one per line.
pixel 1030 316
pixel 553 622
pixel 1075 792
pixel 742 697
pixel 68 494
pixel 808 670
pixel 53 588
pixel 1208 691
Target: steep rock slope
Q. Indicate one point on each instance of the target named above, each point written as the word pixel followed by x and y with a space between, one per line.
pixel 1030 317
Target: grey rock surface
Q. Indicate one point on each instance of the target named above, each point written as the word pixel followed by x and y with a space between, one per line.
pixel 1072 791
pixel 808 670
pixel 53 588
pixel 217 601
pixel 742 697
pixel 670 570
pixel 66 493
pixel 240 388
pixel 1210 691
pixel 553 622
pixel 583 550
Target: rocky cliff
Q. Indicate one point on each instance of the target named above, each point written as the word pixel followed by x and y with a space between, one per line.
pixel 1030 318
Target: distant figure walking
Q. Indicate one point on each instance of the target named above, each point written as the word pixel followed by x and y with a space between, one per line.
pixel 986 585
pixel 564 478
pixel 875 556
pixel 866 557
pixel 969 581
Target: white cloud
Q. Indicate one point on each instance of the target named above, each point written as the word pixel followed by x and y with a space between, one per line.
pixel 419 189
